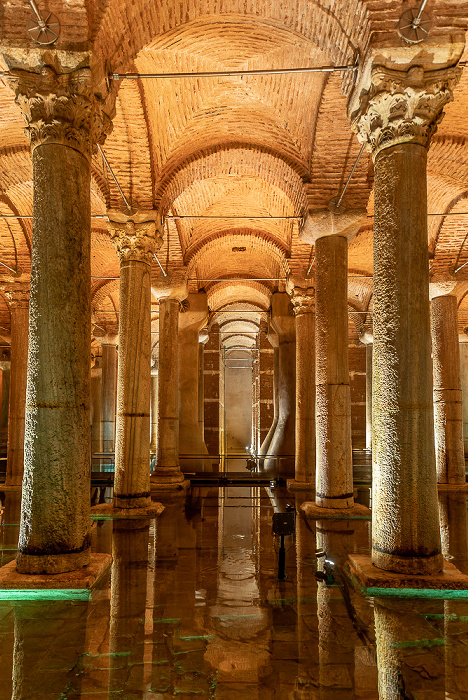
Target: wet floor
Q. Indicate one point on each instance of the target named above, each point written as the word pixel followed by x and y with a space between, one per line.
pixel 195 608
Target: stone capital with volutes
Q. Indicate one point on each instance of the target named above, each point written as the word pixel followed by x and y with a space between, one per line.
pixel 303 301
pixel 17 294
pixel 136 236
pixel 402 106
pixel 61 108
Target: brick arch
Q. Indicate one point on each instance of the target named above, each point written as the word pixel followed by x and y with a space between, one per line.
pixel 337 32
pixel 222 294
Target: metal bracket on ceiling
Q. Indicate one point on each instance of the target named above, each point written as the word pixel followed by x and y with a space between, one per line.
pixel 414 24
pixel 43 29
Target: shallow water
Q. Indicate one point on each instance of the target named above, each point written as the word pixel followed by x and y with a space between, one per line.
pixel 194 609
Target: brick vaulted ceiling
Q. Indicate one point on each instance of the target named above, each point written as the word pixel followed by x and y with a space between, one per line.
pixel 250 146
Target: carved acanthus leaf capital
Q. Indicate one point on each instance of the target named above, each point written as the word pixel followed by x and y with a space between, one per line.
pixel 17 294
pixel 61 108
pixel 303 301
pixel 403 106
pixel 136 236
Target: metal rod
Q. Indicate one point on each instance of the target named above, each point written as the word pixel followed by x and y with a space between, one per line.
pixel 310 266
pixel 195 216
pixel 350 175
pixel 232 73
pixel 161 267
pixel 112 173
pixel 8 267
pixel 460 267
pixel 239 279
pixel 36 12
pixel 416 20
pixel 220 218
pixel 100 327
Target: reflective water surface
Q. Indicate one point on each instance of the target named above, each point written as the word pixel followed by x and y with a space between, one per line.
pixel 194 608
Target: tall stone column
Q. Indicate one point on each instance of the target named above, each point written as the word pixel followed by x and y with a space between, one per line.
pixel 397 115
pixel 448 418
pixel 167 474
pixel 282 446
pixel 154 406
pixel 64 121
pixel 304 310
pixel 136 238
pixel 273 340
pixel 96 407
pixel 333 412
pixel 463 347
pixel 367 339
pixel 109 340
pixel 18 296
pixel 202 341
pixel 191 442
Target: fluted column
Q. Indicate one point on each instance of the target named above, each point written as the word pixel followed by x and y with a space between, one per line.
pixel 448 417
pixel 304 310
pixel 136 238
pixel 64 121
pixel 18 296
pixel 397 114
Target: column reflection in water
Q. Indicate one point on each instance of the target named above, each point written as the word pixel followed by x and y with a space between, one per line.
pixel 239 649
pixel 10 526
pixel 128 605
pixel 453 530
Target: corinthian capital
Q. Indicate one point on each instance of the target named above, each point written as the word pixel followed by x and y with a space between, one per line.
pixel 137 236
pixel 303 301
pixel 17 294
pixel 61 108
pixel 402 106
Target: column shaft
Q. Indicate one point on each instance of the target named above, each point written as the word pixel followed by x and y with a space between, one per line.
pixel 109 387
pixel 96 410
pixel 369 396
pixel 154 411
pixel 448 419
pixel 168 392
pixel 305 397
pixel 132 443
pixel 404 513
pixel 54 532
pixel 17 403
pixel 333 398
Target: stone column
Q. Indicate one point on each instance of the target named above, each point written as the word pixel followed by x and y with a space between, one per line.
pixel 448 418
pixel 329 230
pixel 396 115
pixel 191 321
pixel 304 310
pixel 273 340
pixel 64 121
pixel 109 341
pixel 96 407
pixel 136 238
pixel 202 340
pixel 333 402
pixel 367 339
pixel 18 296
pixel 463 348
pixel 167 474
pixel 282 444
pixel 154 406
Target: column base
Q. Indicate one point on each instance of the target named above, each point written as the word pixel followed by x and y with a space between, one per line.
pixel 294 485
pixel 108 511
pixel 168 479
pixel 53 564
pixel 315 512
pixel 449 583
pixel 459 488
pixel 72 585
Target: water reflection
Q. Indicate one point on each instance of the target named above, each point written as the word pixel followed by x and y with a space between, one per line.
pixel 194 608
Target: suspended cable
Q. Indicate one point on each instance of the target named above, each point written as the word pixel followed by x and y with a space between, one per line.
pixel 113 176
pixel 231 73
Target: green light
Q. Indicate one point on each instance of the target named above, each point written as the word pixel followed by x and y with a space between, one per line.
pixel 45 594
pixel 419 644
pixel 434 593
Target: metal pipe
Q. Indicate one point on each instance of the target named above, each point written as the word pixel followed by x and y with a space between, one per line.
pixel 417 19
pixel 115 179
pixel 350 175
pixel 232 73
pixel 161 267
pixel 221 218
pixel 40 21
pixel 8 267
